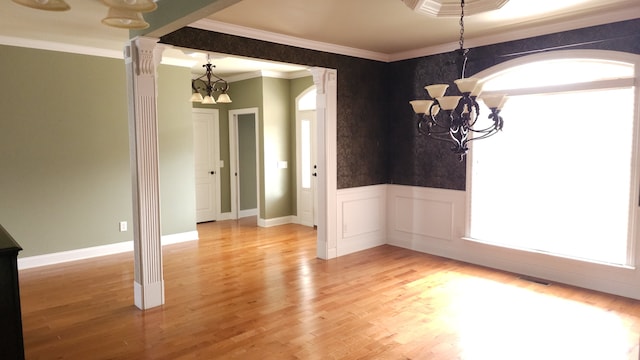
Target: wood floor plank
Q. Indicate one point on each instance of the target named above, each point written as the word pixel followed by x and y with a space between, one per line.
pixel 243 292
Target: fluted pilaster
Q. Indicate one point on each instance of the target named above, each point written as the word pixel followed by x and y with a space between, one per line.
pixel 325 81
pixel 142 55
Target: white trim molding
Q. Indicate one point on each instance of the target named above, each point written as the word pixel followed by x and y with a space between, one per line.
pixel 275 221
pixel 247 213
pixel 97 251
pixel 498 37
pixel 231 29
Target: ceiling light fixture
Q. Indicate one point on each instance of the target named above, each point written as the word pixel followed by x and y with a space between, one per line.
pixel 125 19
pixel 453 118
pixel 49 5
pixel 133 5
pixel 209 86
pixel 125 14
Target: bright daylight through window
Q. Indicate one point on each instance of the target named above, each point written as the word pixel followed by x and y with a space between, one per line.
pixel 560 178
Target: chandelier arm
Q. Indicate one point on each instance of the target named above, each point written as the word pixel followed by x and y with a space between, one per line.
pixel 220 81
pixel 497 123
pixel 485 130
pixel 474 106
pixel 483 136
pixel 458 143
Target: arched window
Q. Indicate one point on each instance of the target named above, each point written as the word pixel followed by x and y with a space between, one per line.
pixel 307 101
pixel 562 177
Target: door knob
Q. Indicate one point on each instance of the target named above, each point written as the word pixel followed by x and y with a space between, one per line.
pixel 212 172
pixel 315 174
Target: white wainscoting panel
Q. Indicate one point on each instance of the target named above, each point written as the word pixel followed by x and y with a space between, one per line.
pixel 433 221
pixel 361 218
pixel 425 219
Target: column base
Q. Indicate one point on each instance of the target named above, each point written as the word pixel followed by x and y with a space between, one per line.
pixel 148 296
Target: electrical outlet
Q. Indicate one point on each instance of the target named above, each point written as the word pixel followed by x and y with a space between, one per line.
pixel 123 226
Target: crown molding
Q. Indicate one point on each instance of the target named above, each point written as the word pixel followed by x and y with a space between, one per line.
pixel 85 50
pixel 533 31
pixel 230 29
pixel 504 36
pixel 211 25
pixel 61 47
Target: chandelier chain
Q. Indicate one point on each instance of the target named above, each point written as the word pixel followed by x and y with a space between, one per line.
pixel 461 42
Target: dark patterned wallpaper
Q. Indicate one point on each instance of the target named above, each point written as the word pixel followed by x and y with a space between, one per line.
pixel 361 114
pixel 377 138
pixel 419 161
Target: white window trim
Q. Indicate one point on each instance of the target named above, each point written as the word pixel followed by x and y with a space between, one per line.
pixel 621 280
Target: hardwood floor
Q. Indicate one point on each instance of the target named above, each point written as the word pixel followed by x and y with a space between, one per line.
pixel 242 292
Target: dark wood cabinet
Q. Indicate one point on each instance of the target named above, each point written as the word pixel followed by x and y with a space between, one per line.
pixel 11 343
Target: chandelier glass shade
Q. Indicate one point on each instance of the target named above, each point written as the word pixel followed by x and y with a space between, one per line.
pixel 125 14
pixel 454 118
pixel 125 19
pixel 50 5
pixel 208 84
pixel 132 5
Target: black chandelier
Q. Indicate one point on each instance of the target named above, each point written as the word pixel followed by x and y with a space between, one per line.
pixel 209 83
pixel 453 118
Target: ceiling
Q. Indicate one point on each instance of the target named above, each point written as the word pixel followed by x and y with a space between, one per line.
pixel 384 30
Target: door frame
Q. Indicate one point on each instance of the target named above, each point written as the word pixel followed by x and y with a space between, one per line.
pixel 314 185
pixel 233 158
pixel 326 82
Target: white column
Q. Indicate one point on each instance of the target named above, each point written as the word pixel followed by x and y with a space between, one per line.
pixel 142 57
pixel 325 81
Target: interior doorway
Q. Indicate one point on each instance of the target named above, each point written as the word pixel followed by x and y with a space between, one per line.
pixel 244 167
pixel 306 158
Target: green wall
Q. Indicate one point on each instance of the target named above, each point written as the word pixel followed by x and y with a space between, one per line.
pixel 175 137
pixel 64 171
pixel 277 138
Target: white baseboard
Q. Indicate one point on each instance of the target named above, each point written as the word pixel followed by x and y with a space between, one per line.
pixel 296 220
pixel 225 216
pixel 247 213
pixel 275 221
pixel 95 251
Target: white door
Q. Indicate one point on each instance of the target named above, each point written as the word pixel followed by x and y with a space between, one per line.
pixel 206 155
pixel 307 168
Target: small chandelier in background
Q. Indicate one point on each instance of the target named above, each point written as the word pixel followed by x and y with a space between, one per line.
pixel 453 118
pixel 125 14
pixel 211 84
